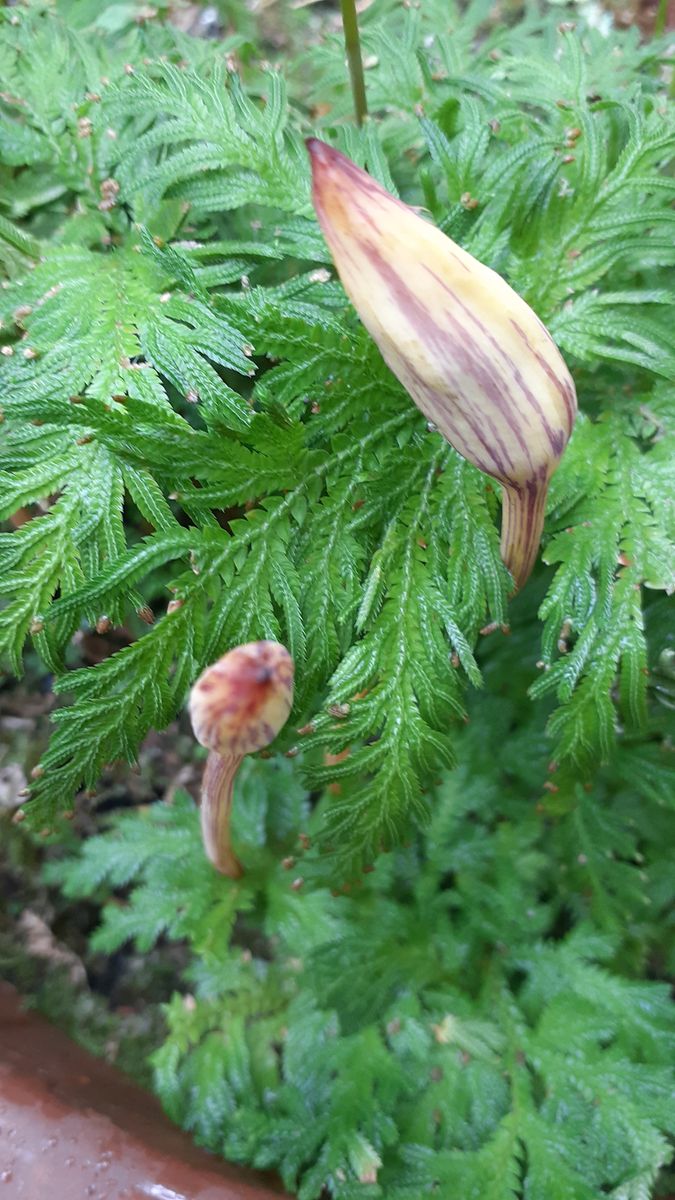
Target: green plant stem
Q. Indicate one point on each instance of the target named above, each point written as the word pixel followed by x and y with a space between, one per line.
pixel 353 46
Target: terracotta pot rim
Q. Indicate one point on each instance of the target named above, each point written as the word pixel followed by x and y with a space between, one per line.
pixel 74 1127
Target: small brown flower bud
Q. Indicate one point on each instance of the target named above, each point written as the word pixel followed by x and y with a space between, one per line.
pixel 237 707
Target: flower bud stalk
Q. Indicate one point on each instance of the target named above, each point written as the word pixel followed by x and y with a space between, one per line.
pixel 215 812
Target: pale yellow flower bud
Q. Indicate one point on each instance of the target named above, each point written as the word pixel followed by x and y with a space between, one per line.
pixel 472 354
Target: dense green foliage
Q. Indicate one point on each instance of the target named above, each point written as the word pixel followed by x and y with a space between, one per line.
pixel 454 1024
pixel 193 412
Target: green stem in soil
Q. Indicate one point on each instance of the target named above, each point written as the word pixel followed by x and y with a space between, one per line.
pixel 350 25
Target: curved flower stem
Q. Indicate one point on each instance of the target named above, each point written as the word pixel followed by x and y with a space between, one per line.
pixel 350 25
pixel 216 811
pixel 523 512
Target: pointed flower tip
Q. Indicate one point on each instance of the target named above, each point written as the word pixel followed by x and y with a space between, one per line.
pixel 324 157
pixel 314 146
pixel 336 181
pixel 321 155
pixel 319 151
pixel 331 171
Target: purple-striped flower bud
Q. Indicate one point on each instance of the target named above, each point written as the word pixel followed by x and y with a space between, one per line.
pixel 472 354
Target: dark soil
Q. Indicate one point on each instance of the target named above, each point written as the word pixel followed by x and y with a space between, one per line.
pixel 110 1003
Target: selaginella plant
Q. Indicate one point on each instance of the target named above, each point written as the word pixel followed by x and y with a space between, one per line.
pixel 199 430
